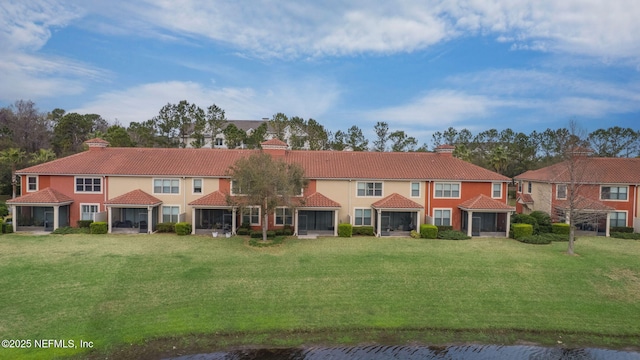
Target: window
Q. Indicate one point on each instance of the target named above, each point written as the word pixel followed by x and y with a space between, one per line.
pixel 363 217
pixel 529 186
pixel 251 215
pixel 496 192
pixel 618 219
pixel 442 217
pixel 87 211
pixel 170 213
pixel 415 189
pixel 613 193
pixel 519 186
pixel 284 216
pixel 447 190
pixel 219 141
pixel 197 186
pixel 369 189
pixel 236 189
pixel 88 185
pixel 166 186
pixel 561 191
pixel 32 183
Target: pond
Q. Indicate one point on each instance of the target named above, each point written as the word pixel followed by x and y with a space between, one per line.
pixel 374 352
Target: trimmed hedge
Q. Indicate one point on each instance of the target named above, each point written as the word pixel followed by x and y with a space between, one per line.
pixel 166 227
pixel 71 230
pixel 429 231
pixel 521 230
pixel 7 228
pixel 183 228
pixel 544 221
pixel 625 235
pixel 444 227
pixel 257 234
pixel 526 219
pixel 362 230
pixel 242 231
pixel 621 229
pixel 345 230
pixel 536 239
pixel 560 228
pixel 453 235
pixel 99 227
pixel 84 223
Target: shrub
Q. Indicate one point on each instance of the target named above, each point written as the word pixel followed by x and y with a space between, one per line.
pixel 362 230
pixel 544 221
pixel 444 227
pixel 625 235
pixel 84 223
pixel 7 228
pixel 536 239
pixel 415 234
pixel 526 219
pixel 287 232
pixel 521 230
pixel 183 228
pixel 99 227
pixel 453 235
pixel 4 210
pixel 258 234
pixel 71 230
pixel 621 229
pixel 560 228
pixel 245 225
pixel 428 231
pixel 345 230
pixel 166 227
pixel 242 231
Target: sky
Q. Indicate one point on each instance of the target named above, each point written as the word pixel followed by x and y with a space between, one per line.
pixel 421 66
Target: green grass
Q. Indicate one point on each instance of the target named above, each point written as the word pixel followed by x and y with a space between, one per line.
pixel 127 293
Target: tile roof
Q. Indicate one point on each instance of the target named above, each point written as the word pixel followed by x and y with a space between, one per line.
pixel 135 197
pixel 483 202
pixel 584 203
pixel 216 198
pixel 317 200
pixel 396 201
pixel 595 170
pixel 274 142
pixel 44 196
pixel 216 162
pixel 525 199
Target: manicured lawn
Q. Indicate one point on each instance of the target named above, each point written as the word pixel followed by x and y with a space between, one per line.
pixel 196 292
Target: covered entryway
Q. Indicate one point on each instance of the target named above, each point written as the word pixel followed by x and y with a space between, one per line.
pixel 44 210
pixel 396 215
pixel 133 212
pixel 212 214
pixel 484 216
pixel 591 217
pixel 317 215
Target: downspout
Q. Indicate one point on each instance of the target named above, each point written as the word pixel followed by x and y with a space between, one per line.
pixel 184 198
pixel 428 201
pixel 635 207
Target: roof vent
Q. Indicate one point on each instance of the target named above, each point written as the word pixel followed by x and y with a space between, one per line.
pixel 96 143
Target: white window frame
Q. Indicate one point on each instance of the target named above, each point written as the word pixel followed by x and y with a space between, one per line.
pixel 233 192
pixel 171 180
pixel 566 188
pixel 529 187
pixel 281 214
pixel 75 184
pixel 366 188
pixel 169 206
pixel 193 186
pixel 251 209
pixel 97 205
pixel 493 190
pixel 215 141
pixel 626 217
pixel 411 189
pixel 618 192
pixel 36 183
pixel 435 187
pixel 355 217
pixel 443 209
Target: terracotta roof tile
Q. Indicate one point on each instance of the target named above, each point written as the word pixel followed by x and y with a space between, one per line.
pixel 584 203
pixel 274 142
pixel 44 196
pixel 216 198
pixel 317 200
pixel 135 197
pixel 525 199
pixel 595 170
pixel 396 201
pixel 216 162
pixel 483 202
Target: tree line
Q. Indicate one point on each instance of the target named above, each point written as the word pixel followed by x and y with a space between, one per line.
pixel 28 136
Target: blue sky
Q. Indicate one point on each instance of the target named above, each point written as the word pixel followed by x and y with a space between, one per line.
pixel 421 66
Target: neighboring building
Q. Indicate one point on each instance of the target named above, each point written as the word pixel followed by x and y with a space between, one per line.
pixel 137 188
pixel 608 188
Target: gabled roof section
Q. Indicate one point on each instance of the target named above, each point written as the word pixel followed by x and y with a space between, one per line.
pixel 584 204
pixel 135 197
pixel 524 199
pixel 317 200
pixel 396 201
pixel 44 196
pixel 274 142
pixel 112 161
pixel 591 170
pixel 215 199
pixel 483 202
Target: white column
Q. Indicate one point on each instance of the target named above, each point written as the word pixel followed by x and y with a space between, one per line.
pixel 233 221
pixel 56 216
pixel 335 222
pixel 295 222
pixel 193 221
pixel 508 225
pixel 469 222
pixel 378 223
pixel 109 221
pixel 149 219
pixel 608 224
pixel 14 218
pixel 418 221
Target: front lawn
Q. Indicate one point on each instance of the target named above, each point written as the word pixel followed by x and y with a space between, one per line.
pixel 123 291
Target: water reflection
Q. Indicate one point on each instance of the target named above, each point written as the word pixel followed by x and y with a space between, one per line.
pixel 380 352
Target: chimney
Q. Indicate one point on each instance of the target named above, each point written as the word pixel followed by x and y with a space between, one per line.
pixel 274 147
pixel 445 150
pixel 96 144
